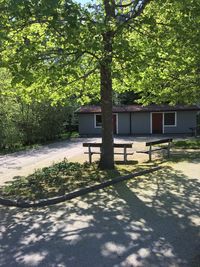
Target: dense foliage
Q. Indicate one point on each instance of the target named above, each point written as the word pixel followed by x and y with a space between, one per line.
pixel 23 124
pixel 54 49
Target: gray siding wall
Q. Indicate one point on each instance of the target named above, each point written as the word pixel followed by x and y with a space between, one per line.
pixel 140 123
pixel 86 125
pixel 124 123
pixel 185 120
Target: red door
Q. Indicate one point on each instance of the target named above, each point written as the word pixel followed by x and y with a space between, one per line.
pixel 114 119
pixel 157 123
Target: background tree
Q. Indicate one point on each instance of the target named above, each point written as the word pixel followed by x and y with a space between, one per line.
pixel 23 123
pixel 68 43
pixel 169 43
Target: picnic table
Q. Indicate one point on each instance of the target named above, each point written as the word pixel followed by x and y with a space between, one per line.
pixel 124 146
pixel 153 146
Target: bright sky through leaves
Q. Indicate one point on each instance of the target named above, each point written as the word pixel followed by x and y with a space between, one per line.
pixel 83 2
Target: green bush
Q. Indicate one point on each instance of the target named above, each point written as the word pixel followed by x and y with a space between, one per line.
pixel 24 124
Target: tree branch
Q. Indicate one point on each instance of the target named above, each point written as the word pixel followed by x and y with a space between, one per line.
pixel 140 9
pixel 136 12
pixel 91 54
pixel 83 76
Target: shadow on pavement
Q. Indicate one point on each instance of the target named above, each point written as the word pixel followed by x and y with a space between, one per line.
pixel 149 221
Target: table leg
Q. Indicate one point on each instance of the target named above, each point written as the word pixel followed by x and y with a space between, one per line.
pixel 150 153
pixel 90 154
pixel 125 155
pixel 168 149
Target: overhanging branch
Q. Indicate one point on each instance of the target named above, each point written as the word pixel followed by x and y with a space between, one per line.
pixel 83 76
pixel 134 13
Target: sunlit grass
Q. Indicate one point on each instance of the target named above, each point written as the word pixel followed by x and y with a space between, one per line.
pixel 62 178
pixel 187 144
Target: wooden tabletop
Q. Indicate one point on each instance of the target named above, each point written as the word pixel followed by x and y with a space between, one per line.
pixel 120 145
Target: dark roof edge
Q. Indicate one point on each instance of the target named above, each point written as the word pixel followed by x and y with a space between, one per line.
pixel 138 108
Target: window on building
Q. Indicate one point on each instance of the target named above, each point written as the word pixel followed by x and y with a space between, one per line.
pixel 98 121
pixel 170 119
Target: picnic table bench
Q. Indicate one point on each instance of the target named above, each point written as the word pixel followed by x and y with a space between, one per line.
pixel 152 147
pixel 124 146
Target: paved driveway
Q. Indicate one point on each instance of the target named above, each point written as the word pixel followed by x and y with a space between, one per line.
pixel 151 221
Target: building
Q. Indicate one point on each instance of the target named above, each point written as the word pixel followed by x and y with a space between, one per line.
pixel 140 120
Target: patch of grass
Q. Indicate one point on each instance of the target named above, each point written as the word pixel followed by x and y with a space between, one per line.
pixel 61 178
pixel 187 144
pixel 178 156
pixel 68 135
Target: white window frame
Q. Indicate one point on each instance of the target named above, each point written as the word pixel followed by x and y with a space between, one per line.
pixel 175 119
pixel 95 121
pixel 99 127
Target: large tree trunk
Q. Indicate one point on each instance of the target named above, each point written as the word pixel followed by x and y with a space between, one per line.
pixel 107 157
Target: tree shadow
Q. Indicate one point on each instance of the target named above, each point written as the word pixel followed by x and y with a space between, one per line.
pixel 59 179
pixel 184 155
pixel 128 162
pixel 149 221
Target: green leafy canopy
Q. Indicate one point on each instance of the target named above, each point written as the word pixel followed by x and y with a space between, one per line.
pixel 53 49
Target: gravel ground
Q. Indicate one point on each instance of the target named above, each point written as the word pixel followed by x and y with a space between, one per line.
pixel 25 162
pixel 151 221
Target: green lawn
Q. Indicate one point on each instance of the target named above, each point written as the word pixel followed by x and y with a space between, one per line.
pixel 187 143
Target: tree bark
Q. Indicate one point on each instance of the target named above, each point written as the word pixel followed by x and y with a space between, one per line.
pixel 107 155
